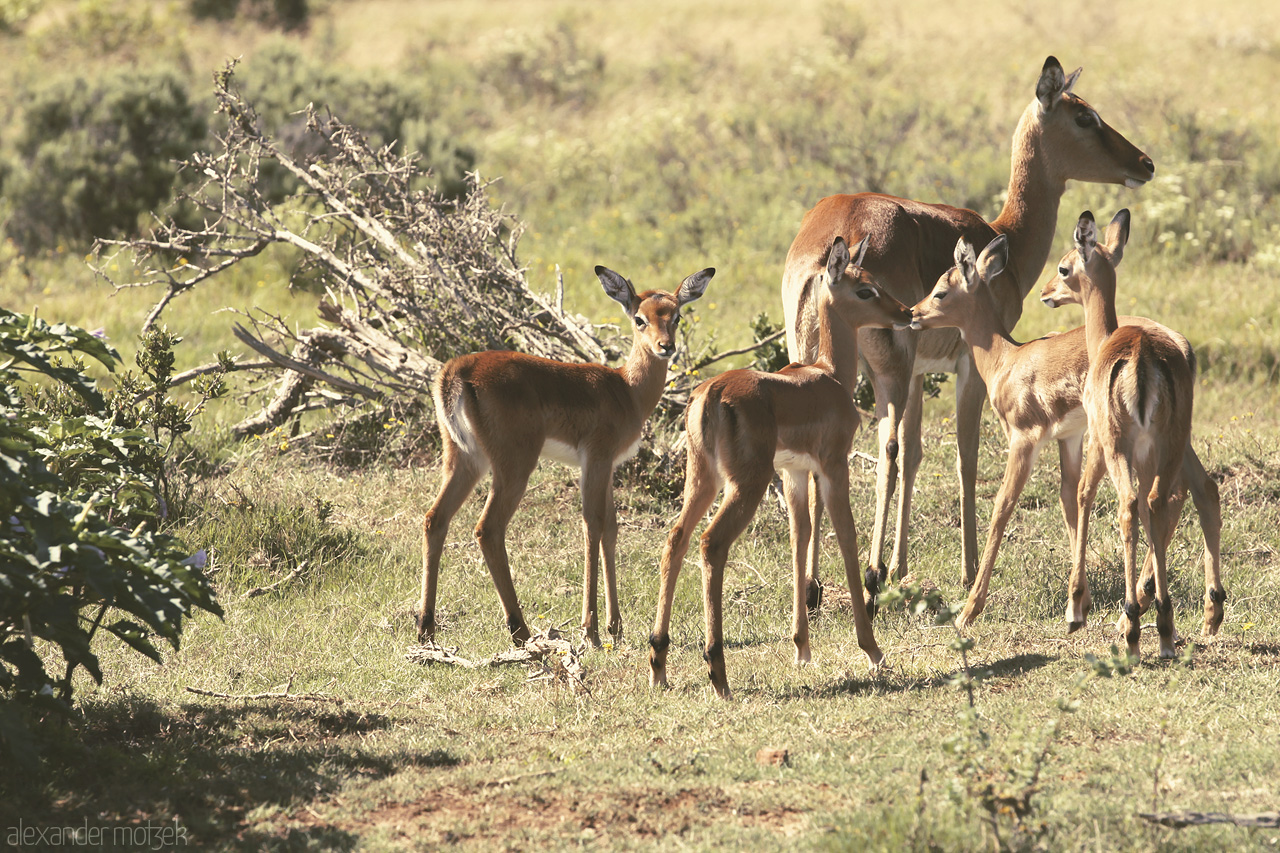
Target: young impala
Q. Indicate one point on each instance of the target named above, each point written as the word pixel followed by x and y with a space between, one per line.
pixel 1204 491
pixel 801 420
pixel 1058 139
pixel 1036 392
pixel 502 410
pixel 1138 398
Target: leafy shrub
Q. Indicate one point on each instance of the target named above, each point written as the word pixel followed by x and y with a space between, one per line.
pixel 549 65
pixel 280 82
pixel 96 154
pixel 79 507
pixel 285 14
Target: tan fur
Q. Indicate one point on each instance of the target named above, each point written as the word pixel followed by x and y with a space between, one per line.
pixel 503 410
pixel 910 245
pixel 740 425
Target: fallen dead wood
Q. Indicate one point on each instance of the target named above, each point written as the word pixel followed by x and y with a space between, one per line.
pixel 550 657
pixel 272 587
pixel 1181 820
pixel 285 694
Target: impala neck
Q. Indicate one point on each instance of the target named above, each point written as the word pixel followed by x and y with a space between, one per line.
pixel 1099 297
pixel 646 376
pixel 987 337
pixel 1029 216
pixel 837 342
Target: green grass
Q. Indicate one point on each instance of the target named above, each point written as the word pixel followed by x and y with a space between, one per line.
pixel 706 134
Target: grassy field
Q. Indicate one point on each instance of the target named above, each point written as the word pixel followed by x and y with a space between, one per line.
pixel 660 138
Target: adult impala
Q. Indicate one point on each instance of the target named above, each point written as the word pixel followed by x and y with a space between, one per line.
pixel 1036 391
pixel 501 411
pixel 1204 491
pixel 742 425
pixel 1059 138
pixel 1138 396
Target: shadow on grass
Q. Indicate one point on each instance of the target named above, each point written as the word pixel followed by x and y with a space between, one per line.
pixel 205 767
pixel 896 683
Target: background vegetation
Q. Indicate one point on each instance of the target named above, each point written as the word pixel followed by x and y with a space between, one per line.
pixel 660 138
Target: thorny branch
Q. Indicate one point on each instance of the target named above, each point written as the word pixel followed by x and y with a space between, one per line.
pixel 409 277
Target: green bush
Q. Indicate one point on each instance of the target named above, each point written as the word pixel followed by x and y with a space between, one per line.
pixel 285 14
pixel 94 155
pixel 280 81
pixel 80 505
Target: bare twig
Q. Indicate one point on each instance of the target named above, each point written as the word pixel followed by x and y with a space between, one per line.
pixel 272 587
pixel 1180 820
pixel 251 697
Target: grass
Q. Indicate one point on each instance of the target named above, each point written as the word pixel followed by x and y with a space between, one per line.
pixel 705 136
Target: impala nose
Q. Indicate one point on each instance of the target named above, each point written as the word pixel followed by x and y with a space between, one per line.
pixel 666 350
pixel 1149 164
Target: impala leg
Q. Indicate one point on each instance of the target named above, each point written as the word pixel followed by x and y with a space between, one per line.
pixel 813 584
pixel 596 478
pixel 509 482
pixel 971 393
pixel 1079 601
pixel 1122 476
pixel 609 552
pixel 891 402
pixel 1022 457
pixel 912 456
pixel 699 491
pixel 1070 458
pixel 795 485
pixel 836 495
pixel 1162 517
pixel 1204 494
pixel 740 502
pixel 459 476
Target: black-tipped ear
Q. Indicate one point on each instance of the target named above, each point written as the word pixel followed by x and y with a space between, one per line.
pixel 1052 83
pixel 1086 236
pixel 1118 235
pixel 860 251
pixel 619 289
pixel 964 259
pixel 694 286
pixel 837 260
pixel 993 258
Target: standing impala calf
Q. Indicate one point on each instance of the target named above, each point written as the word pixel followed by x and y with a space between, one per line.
pixel 1036 391
pixel 1204 491
pixel 502 410
pixel 1138 398
pixel 1058 139
pixel 742 425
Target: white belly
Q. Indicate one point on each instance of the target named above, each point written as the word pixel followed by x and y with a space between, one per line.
pixel 1072 425
pixel 934 365
pixel 789 460
pixel 627 452
pixel 561 452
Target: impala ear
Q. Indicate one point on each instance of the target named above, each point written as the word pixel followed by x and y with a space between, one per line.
pixel 965 261
pixel 860 252
pixel 1118 236
pixel 694 286
pixel 1086 236
pixel 993 258
pixel 838 259
pixel 1054 83
pixel 619 289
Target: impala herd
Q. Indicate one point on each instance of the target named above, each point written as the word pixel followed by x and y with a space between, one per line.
pixel 1123 384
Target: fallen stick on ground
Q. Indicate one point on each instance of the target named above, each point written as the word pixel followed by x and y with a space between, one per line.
pixel 1179 820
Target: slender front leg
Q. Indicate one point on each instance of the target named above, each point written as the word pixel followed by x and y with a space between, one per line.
pixel 891 389
pixel 795 486
pixel 971 393
pixel 837 499
pixel 1022 457
pixel 912 455
pixel 609 551
pixel 1204 494
pixel 1079 601
pixel 1162 515
pixel 1122 476
pixel 596 475
pixel 1070 457
pixel 699 492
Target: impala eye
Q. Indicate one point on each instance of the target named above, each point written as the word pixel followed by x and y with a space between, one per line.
pixel 675 324
pixel 866 293
pixel 1064 271
pixel 1086 119
pixel 940 295
pixel 640 323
